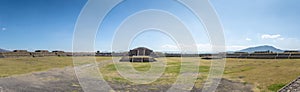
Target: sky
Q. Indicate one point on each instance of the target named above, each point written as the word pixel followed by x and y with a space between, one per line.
pixel 49 24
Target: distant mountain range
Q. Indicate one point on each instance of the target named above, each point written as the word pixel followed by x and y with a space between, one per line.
pixel 3 50
pixel 261 48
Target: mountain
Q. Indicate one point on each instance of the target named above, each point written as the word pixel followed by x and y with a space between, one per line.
pixel 3 50
pixel 261 48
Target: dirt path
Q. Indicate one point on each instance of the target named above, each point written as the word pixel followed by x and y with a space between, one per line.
pixel 58 80
pixel 64 80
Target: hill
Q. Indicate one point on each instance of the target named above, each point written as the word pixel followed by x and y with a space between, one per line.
pixel 3 50
pixel 261 48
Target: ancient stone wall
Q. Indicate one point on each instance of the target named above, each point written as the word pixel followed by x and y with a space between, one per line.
pixel 16 54
pixel 1 55
pixel 42 54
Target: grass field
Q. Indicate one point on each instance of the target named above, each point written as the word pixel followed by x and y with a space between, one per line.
pixel 168 77
pixel 265 74
pixel 15 66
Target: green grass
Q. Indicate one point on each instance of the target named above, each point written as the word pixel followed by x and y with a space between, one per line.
pixel 142 66
pixel 266 75
pixel 168 77
pixel 275 87
pixel 16 66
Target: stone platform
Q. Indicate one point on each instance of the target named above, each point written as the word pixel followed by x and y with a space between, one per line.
pixel 137 59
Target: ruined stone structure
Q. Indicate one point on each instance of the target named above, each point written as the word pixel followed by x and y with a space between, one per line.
pixel 263 52
pixel 265 55
pixel 294 86
pixel 25 53
pixel 140 54
pixel 82 54
pixel 1 55
pixel 59 53
pixel 291 51
pixel 20 51
pixel 141 51
pixel 16 53
pixel 98 53
pixel 42 53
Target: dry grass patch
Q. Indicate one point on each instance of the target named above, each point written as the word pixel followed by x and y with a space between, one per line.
pixel 168 77
pixel 15 66
pixel 266 74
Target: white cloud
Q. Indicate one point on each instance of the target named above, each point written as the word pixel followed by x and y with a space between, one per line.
pixel 169 47
pixel 268 36
pixel 288 43
pixel 208 48
pixel 202 48
pixel 235 48
pixel 281 38
pixel 248 39
pixel 3 29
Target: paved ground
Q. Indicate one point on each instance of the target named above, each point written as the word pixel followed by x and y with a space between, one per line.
pixel 64 80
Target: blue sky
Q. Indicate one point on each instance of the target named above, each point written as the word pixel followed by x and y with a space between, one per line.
pixel 49 24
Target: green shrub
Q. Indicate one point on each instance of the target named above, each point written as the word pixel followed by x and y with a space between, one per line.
pixel 275 87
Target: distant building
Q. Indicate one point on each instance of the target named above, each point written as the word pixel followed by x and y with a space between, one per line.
pixel 57 51
pixel 60 53
pixel 140 54
pixel 98 53
pixel 240 52
pixel 141 51
pixel 1 55
pixel 20 51
pixel 291 51
pixel 263 52
pixel 16 53
pixel 41 51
